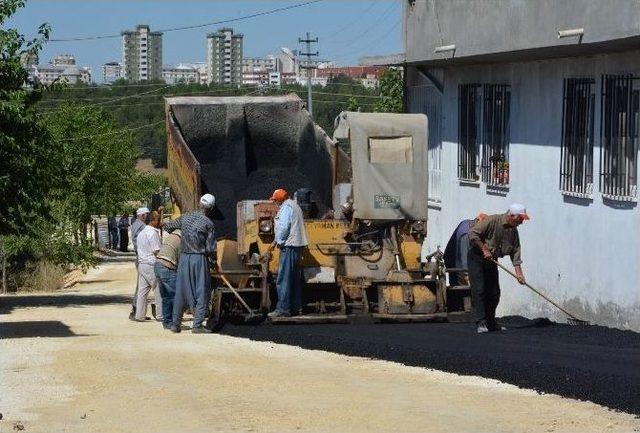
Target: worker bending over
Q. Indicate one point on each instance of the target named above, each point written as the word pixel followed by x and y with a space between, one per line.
pixel 495 236
pixel 290 238
pixel 166 270
pixel 197 254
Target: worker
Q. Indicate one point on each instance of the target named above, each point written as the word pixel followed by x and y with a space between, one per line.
pixel 148 247
pixel 290 238
pixel 494 237
pixel 137 226
pixel 166 267
pixel 123 228
pixel 457 250
pixel 197 255
pixel 114 238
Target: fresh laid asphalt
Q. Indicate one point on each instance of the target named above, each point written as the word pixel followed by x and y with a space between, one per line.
pixel 591 363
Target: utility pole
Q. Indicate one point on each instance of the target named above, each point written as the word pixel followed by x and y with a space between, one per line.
pixel 308 54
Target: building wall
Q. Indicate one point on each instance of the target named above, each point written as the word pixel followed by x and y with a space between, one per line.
pixel 224 57
pixel 142 54
pixel 499 26
pixel 584 252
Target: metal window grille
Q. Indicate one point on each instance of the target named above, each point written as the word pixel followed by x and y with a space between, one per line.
pixel 495 127
pixel 576 152
pixel 469 111
pixel 619 136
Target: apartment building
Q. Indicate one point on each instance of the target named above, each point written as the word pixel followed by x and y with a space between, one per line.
pixel 224 57
pixel 141 54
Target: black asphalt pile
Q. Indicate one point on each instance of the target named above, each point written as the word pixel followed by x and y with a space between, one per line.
pixel 591 363
pixel 248 149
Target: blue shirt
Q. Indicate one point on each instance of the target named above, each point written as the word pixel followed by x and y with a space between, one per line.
pixel 283 223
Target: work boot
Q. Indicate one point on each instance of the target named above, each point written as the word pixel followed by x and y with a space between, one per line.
pixel 275 313
pixel 482 327
pixel 175 329
pixel 201 330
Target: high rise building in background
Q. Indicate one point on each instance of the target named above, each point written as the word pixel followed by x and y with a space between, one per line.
pixel 111 71
pixel 141 54
pixel 224 57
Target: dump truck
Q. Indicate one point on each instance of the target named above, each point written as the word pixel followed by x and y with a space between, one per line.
pixel 365 215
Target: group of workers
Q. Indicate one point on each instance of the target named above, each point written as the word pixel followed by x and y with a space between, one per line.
pixel 176 265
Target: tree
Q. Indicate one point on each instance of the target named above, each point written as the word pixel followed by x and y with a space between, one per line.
pixel 391 90
pixel 27 160
pixel 98 165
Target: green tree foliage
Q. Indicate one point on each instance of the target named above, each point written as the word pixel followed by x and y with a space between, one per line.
pixel 391 90
pixel 98 164
pixel 56 168
pixel 25 172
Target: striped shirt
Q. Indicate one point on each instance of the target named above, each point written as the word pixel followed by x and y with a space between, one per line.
pixel 198 235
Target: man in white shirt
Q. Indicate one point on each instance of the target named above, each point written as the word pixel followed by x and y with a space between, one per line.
pixel 148 244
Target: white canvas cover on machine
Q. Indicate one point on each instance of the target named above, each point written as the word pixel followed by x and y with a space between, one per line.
pixel 389 164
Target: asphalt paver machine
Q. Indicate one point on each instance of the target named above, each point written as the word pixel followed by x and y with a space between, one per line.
pixel 363 261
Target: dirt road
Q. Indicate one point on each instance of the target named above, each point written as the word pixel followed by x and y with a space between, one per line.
pixel 73 362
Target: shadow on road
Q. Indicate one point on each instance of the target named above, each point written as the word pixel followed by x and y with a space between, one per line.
pixel 49 328
pixel 8 303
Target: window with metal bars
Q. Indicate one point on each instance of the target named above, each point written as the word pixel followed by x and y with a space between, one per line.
pixel 620 123
pixel 469 131
pixel 576 152
pixel 495 133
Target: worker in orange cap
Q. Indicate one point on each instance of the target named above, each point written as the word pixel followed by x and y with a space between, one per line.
pixel 291 238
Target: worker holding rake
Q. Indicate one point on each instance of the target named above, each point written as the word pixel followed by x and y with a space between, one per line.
pixel 494 237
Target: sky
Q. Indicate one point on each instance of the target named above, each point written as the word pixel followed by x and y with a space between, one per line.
pixel 347 29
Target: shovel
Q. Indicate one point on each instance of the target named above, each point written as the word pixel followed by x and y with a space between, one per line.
pixel 252 316
pixel 571 319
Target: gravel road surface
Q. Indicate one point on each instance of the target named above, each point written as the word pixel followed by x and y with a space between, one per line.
pixel 72 362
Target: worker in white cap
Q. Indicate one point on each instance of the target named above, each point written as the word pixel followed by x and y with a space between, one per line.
pixel 494 237
pixel 136 227
pixel 197 255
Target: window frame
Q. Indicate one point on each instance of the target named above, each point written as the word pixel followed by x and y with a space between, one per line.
pixel 578 123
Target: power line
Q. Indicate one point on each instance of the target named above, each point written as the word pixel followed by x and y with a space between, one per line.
pixel 142 96
pixel 372 43
pixel 195 26
pixel 381 18
pixel 106 134
pixel 332 36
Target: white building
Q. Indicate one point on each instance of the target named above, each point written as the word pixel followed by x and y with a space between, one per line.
pixel 256 70
pixel 111 71
pixel 548 117
pixel 61 69
pixel 141 54
pixel 181 74
pixel 224 57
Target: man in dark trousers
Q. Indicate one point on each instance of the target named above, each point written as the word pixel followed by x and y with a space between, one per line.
pixel 197 256
pixel 291 239
pixel 494 237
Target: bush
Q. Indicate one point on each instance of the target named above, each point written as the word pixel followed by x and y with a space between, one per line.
pixel 40 276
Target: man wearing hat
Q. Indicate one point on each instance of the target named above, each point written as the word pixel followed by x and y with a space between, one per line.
pixel 136 227
pixel 290 238
pixel 197 254
pixel 494 237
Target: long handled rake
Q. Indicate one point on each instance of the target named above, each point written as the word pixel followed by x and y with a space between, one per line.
pixel 571 319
